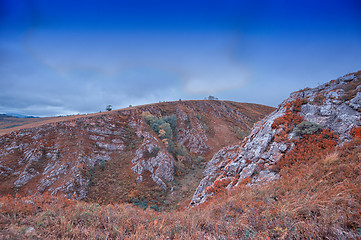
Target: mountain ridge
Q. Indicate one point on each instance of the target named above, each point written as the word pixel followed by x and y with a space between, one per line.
pixel 31 122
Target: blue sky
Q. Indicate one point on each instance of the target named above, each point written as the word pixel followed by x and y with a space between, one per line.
pixel 68 57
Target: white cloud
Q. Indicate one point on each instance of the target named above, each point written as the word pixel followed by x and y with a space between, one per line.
pixel 203 61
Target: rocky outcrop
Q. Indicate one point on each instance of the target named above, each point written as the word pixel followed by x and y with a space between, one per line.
pixel 194 138
pixel 335 106
pixel 159 162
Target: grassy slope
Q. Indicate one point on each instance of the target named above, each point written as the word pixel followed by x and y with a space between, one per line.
pixel 114 181
pixel 317 197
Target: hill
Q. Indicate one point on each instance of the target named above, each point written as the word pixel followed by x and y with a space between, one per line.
pixel 296 176
pixel 9 121
pixel 310 121
pixel 147 155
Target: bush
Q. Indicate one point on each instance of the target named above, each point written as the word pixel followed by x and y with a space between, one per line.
pixel 181 150
pixel 163 126
pixel 165 131
pixel 170 146
pixel 172 120
pixel 152 121
pixel 156 123
pixel 199 160
pixel 307 128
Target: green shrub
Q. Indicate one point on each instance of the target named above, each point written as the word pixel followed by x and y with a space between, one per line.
pixel 307 128
pixel 172 120
pixel 164 126
pixel 170 146
pixel 169 122
pixel 199 160
pixel 181 150
pixel 102 164
pixel 167 131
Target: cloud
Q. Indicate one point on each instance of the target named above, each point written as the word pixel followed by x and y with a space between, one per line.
pixel 32 87
pixel 62 72
pixel 201 60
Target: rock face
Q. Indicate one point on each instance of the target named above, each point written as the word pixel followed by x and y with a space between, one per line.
pixel 64 156
pixel 335 106
pixel 161 165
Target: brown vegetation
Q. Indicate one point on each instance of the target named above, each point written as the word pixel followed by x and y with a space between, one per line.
pixel 317 197
pixel 191 132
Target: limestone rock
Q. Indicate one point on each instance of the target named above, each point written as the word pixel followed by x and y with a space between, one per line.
pixel 324 105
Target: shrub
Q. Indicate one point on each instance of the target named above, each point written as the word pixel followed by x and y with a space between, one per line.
pixel 172 120
pixel 199 160
pixel 288 121
pixel 181 150
pixel 307 128
pixel 102 164
pixel 152 121
pixel 170 146
pixel 165 131
pixel 212 98
pixel 219 186
pixel 164 126
pixel 319 99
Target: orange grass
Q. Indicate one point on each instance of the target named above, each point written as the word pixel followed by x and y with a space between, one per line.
pixel 318 197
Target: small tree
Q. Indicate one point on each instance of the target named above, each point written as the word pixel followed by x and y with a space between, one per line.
pixel 212 98
pixel 108 108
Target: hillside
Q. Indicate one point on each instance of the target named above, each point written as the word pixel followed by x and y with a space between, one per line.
pixel 309 122
pixel 296 176
pixel 150 155
pixel 10 122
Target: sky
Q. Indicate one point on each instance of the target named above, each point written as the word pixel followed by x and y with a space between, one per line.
pixel 69 57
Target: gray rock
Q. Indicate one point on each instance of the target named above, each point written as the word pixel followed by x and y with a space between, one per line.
pixel 24 178
pixel 259 150
pixel 161 166
pixel 355 103
pixel 347 78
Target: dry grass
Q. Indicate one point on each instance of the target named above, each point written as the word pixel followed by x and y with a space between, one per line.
pixel 331 158
pixel 315 199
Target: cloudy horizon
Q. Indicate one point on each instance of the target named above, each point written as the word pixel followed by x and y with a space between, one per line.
pixel 62 57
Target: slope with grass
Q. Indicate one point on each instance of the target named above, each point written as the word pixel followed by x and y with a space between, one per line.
pixel 316 198
pixel 310 191
pixel 150 155
pixel 309 123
